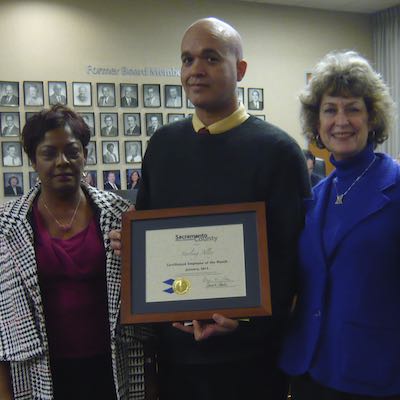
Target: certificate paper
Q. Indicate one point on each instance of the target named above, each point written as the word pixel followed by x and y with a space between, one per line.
pixel 195 263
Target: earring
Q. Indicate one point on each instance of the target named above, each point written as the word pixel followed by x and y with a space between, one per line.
pixel 318 141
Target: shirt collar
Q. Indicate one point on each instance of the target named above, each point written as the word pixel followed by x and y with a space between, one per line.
pixel 224 125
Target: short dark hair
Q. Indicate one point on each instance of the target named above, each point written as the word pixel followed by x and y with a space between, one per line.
pixel 55 117
pixel 13 177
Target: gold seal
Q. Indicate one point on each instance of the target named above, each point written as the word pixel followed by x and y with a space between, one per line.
pixel 181 286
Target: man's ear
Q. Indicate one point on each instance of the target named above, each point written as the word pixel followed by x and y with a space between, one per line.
pixel 241 69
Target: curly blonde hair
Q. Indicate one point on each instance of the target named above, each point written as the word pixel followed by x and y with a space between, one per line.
pixel 347 74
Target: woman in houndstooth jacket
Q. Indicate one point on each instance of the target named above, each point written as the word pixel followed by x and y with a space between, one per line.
pixel 60 280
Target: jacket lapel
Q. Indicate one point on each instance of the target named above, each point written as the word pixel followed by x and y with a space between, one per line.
pixel 315 213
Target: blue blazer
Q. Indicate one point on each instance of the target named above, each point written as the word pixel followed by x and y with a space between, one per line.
pixel 345 330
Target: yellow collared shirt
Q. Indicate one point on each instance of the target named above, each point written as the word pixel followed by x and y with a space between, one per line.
pixel 224 125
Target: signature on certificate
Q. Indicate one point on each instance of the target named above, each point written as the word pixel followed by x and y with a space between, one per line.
pixel 218 282
pixel 198 252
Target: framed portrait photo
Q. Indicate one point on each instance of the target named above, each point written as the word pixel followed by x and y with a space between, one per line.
pixel 9 94
pixel 110 151
pixel 173 96
pixel 154 121
pixel 12 154
pixel 90 177
pixel 91 158
pixel 255 97
pixel 129 95
pixel 33 93
pixel 240 94
pixel 133 177
pixel 108 124
pixel 33 178
pixel 82 94
pixel 9 124
pixel 57 91
pixel 112 179
pixel 88 118
pixel 172 117
pixel 133 151
pixel 132 126
pixel 151 95
pixel 106 94
pixel 13 184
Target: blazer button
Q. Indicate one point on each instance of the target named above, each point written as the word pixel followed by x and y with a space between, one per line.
pixel 317 314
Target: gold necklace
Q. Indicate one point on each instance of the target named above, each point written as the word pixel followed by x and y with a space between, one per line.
pixel 63 227
pixel 339 197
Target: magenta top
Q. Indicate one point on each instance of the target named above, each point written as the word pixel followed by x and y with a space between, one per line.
pixel 72 280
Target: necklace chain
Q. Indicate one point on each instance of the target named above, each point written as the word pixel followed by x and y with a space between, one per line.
pixel 63 227
pixel 339 197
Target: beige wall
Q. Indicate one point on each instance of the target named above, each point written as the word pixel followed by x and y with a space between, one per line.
pixel 57 40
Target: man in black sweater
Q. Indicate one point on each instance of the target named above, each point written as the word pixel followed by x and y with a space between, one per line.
pixel 240 159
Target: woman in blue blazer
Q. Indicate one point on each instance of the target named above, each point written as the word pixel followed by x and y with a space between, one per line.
pixel 343 341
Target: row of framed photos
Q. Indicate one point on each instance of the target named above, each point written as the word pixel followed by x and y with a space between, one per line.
pixel 10 125
pixel 108 122
pixel 110 152
pixel 106 95
pixel 111 180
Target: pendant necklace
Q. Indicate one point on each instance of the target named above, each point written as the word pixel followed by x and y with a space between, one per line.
pixel 339 197
pixel 63 227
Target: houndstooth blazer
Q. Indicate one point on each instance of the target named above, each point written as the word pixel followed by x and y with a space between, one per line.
pixel 23 340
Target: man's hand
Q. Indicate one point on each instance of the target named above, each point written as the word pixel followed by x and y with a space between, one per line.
pixel 115 237
pixel 201 331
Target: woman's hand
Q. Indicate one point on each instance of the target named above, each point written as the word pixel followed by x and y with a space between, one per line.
pixel 115 238
pixel 203 330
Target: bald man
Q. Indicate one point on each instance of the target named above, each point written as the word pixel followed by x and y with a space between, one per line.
pixel 239 158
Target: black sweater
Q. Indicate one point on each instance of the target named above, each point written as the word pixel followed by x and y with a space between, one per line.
pixel 255 161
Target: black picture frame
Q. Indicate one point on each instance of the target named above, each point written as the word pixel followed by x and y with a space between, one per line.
pixel 9 94
pixel 106 94
pixel 151 95
pixel 82 94
pixel 173 305
pixel 109 124
pixel 91 158
pixel 90 121
pixel 57 92
pixel 130 185
pixel 255 99
pixel 132 128
pixel 151 126
pixel 13 184
pixel 132 100
pixel 10 124
pixel 117 175
pixel 33 94
pixel 90 177
pixel 173 96
pixel 173 117
pixel 11 154
pixel 110 151
pixel 133 151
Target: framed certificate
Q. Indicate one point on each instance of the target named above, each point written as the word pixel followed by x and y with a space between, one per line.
pixel 187 263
